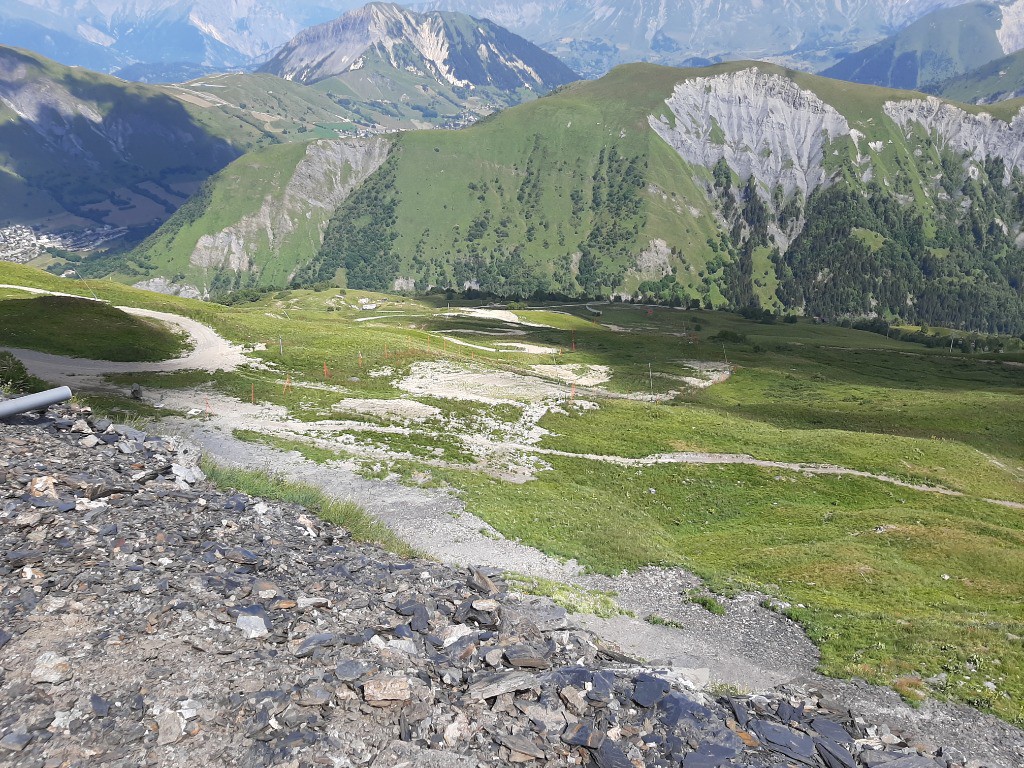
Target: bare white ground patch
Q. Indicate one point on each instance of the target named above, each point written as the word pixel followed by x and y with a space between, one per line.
pixel 576 373
pixel 501 315
pixel 451 382
pixel 387 316
pixel 311 385
pixel 708 373
pixel 403 410
pixel 529 349
pixel 380 373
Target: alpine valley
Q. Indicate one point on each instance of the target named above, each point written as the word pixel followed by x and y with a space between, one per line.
pixel 741 185
pixel 84 150
pixel 727 361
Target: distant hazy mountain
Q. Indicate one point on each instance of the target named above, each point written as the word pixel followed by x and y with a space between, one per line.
pixel 451 48
pixel 80 150
pixel 996 81
pixel 591 36
pixel 939 46
pixel 111 34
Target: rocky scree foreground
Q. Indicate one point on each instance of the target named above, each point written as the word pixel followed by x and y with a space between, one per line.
pixel 148 618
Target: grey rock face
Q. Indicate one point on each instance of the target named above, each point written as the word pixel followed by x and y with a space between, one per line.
pixel 326 175
pixel 762 124
pixel 979 136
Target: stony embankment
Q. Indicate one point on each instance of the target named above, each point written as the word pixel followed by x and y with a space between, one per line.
pixel 147 617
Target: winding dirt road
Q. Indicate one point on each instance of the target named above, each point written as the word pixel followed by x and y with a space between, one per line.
pixel 209 352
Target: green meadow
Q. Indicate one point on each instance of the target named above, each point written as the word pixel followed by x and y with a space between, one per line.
pixel 894 584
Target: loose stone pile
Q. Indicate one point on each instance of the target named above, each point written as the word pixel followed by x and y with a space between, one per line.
pixel 149 618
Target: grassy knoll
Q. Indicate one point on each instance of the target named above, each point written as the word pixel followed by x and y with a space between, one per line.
pixel 65 325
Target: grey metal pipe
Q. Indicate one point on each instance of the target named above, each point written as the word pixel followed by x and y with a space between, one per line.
pixel 34 402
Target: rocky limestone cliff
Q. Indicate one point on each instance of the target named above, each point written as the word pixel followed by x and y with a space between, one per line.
pixel 979 136
pixel 1011 29
pixel 762 124
pixel 326 175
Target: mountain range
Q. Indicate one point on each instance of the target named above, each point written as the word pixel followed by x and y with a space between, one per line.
pixel 81 150
pixel 592 36
pixel 742 185
pixel 450 48
pixel 177 39
pixel 148 39
pixel 939 46
pixel 77 145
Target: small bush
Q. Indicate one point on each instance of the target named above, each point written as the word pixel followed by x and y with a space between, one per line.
pixel 15 379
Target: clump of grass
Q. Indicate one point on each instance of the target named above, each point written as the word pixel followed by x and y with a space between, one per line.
pixel 661 621
pixel 708 603
pixel 307 451
pixel 15 379
pixel 573 599
pixel 346 514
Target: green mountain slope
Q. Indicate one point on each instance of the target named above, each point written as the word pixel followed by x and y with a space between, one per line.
pixel 743 185
pixel 81 150
pixel 941 45
pixel 998 80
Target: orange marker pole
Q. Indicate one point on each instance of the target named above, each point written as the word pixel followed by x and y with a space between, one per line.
pixel 572 394
pixel 360 359
pixel 326 372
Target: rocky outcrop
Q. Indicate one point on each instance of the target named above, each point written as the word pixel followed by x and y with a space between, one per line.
pixel 149 617
pixel 323 178
pixel 655 262
pixel 762 124
pixel 979 136
pixel 1011 27
pixel 165 286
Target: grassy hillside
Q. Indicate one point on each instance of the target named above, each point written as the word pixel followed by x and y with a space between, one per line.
pixel 941 45
pixel 996 81
pixel 63 325
pixel 575 194
pixel 79 149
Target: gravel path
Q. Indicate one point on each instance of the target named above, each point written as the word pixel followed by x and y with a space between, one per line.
pixel 751 647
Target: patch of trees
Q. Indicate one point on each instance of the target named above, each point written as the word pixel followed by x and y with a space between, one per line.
pixel 968 275
pixel 618 217
pixel 360 236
